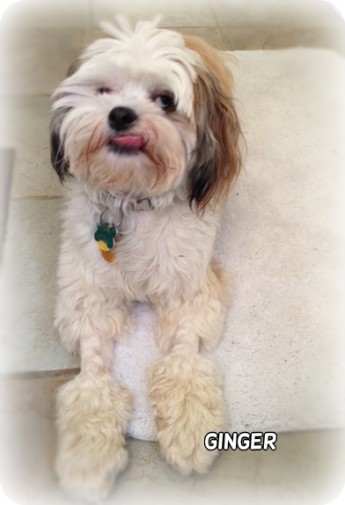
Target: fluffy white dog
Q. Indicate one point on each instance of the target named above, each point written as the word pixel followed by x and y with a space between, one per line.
pixel 145 124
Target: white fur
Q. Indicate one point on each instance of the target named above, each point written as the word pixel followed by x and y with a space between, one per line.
pixel 164 258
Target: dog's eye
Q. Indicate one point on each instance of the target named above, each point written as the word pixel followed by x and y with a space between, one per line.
pixel 166 101
pixel 103 90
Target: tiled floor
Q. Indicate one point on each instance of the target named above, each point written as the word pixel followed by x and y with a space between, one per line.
pixel 307 468
pixel 37 46
pixel 49 35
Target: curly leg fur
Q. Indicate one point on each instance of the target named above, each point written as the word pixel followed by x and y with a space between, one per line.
pixel 185 388
pixel 186 396
pixel 83 311
pixel 92 411
pixel 92 416
pixel 204 314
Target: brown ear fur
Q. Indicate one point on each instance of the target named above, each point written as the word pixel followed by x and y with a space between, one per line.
pixel 217 157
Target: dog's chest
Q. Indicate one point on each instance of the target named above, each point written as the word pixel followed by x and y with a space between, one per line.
pixel 161 252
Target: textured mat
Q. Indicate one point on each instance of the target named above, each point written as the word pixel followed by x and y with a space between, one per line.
pixel 282 241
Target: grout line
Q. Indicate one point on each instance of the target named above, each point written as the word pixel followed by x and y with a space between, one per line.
pixel 210 4
pixel 190 27
pixel 90 14
pixel 89 26
pixel 21 96
pixel 44 374
pixel 37 197
pixel 227 44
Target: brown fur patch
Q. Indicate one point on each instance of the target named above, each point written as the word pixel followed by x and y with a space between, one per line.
pixel 217 157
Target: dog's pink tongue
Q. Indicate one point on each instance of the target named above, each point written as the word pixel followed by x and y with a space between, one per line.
pixel 129 141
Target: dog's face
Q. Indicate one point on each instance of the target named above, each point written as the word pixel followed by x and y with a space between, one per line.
pixel 145 112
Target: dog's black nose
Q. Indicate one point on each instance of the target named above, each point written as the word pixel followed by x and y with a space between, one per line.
pixel 121 118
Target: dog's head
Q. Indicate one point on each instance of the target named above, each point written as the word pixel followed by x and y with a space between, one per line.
pixel 147 111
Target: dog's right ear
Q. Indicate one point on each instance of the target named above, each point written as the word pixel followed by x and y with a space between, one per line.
pixel 57 153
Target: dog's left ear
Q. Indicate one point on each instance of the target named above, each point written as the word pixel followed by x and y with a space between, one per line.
pixel 57 153
pixel 217 157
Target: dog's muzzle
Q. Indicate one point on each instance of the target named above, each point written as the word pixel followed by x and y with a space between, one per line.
pixel 120 119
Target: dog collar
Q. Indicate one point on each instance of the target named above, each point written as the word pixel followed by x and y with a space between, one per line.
pixel 141 204
pixel 107 234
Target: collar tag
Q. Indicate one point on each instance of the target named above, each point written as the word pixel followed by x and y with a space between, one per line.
pixel 105 236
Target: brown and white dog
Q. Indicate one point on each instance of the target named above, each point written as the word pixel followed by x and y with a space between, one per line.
pixel 145 124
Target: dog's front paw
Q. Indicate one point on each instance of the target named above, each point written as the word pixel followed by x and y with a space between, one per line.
pixel 186 395
pixel 92 415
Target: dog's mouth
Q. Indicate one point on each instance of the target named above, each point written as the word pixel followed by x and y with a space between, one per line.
pixel 127 144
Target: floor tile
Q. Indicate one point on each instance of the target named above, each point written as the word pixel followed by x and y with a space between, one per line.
pixel 245 38
pixel 306 465
pixel 211 34
pixel 306 37
pixel 24 125
pixel 174 13
pixel 28 340
pixel 34 61
pixel 47 14
pixel 270 12
pixel 278 37
pixel 6 172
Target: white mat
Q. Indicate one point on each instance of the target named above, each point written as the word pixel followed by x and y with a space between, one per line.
pixel 281 240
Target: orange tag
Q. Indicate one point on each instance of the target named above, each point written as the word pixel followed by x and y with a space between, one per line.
pixel 109 256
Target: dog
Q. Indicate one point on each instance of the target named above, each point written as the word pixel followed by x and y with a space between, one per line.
pixel 145 129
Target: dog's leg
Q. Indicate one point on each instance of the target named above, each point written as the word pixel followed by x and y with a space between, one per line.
pixel 92 409
pixel 185 388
